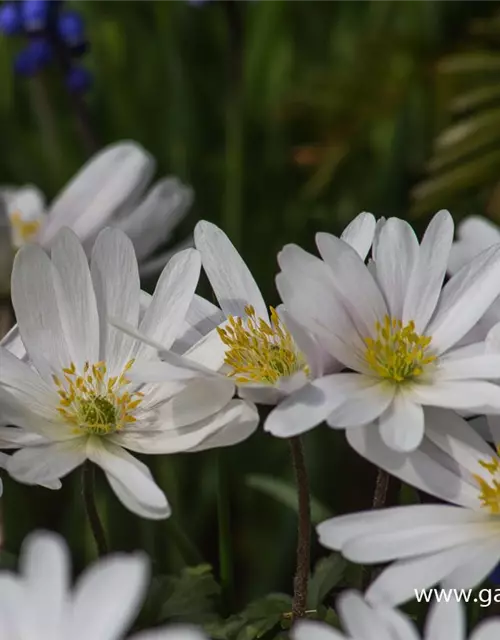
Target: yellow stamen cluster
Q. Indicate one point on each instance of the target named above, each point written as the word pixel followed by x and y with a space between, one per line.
pixel 258 351
pixel 93 402
pixel 398 353
pixel 23 230
pixel 490 491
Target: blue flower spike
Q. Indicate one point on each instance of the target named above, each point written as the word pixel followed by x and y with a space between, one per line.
pixel 35 14
pixel 34 57
pixel 10 19
pixel 78 80
pixel 71 28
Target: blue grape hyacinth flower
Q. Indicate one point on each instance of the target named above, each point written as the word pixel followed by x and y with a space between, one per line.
pixel 53 34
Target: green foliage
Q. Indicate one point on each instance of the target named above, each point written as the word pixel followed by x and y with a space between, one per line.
pixel 465 161
pixel 255 621
pixel 327 574
pixel 190 597
pixel 286 493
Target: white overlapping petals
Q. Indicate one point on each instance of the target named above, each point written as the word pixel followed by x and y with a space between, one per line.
pixel 394 326
pixel 267 352
pixel 475 234
pixel 455 544
pixel 40 603
pixel 75 398
pixel 109 190
pixel 361 621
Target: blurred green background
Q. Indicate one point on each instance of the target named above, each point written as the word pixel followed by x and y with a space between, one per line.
pixel 286 118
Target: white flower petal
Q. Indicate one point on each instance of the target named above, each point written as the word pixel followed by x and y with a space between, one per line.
pixel 465 298
pixel 402 424
pixel 457 394
pixel 493 339
pixel 339 531
pixel 359 233
pixel 152 267
pixel 397 584
pixel 307 289
pixel 20 380
pixel 414 541
pixel 358 618
pixel 96 193
pixel 395 254
pixel 446 620
pixel 313 403
pixel 233 284
pixel 363 406
pixel 419 468
pixel 42 332
pixel 308 630
pixel 486 366
pixel 360 293
pixel 108 597
pixel 76 298
pixel 235 421
pixel 45 463
pixel 474 235
pixel 116 281
pixel 429 270
pixel 172 297
pixel 152 221
pixel 487 630
pixel 476 567
pixel 136 486
pixel 45 567
pixel 13 343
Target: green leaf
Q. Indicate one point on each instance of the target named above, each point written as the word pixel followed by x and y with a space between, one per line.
pixel 328 572
pixel 472 62
pixel 259 617
pixel 189 597
pixel 286 493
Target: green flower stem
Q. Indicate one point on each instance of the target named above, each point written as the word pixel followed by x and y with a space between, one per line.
pixel 88 486
pixel 233 209
pixel 301 580
pixel 226 568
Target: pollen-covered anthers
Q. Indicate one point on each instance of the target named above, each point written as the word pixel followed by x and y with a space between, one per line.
pixel 490 491
pixel 260 352
pixel 95 403
pixel 398 353
pixel 23 231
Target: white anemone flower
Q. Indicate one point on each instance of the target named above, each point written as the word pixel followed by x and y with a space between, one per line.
pixel 457 544
pixel 109 190
pixel 40 603
pixel 267 352
pixel 394 326
pixel 446 620
pixel 75 399
pixel 475 234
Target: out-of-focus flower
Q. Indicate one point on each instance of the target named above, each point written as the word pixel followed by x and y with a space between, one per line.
pixel 475 234
pixel 456 545
pixel 363 622
pixel 39 603
pixel 395 327
pixel 53 33
pixel 77 390
pixel 78 79
pixel 108 191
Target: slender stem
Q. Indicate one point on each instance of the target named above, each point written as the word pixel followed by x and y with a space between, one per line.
pixel 379 500
pixel 226 568
pixel 381 488
pixel 88 489
pixel 233 213
pixel 188 550
pixel 301 579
